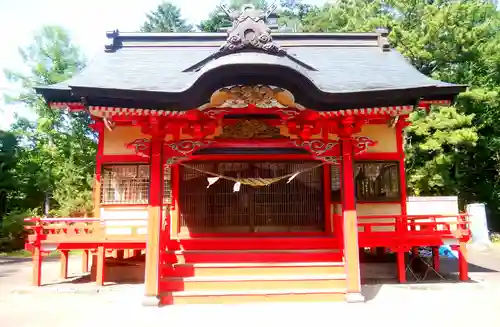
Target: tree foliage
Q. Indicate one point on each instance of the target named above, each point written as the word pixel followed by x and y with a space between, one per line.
pixel 292 14
pixel 166 18
pixel 53 156
pixel 217 19
pixel 451 150
pixel 8 156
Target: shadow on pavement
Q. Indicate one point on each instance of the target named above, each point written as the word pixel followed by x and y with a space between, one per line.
pixel 448 269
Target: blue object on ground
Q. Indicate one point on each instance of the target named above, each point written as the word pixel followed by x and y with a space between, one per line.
pixel 446 251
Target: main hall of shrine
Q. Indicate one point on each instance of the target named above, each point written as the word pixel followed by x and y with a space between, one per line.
pixel 247 166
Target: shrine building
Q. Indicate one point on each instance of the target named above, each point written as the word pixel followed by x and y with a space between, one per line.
pixel 245 166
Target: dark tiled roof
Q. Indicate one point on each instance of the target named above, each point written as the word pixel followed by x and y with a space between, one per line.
pixel 335 64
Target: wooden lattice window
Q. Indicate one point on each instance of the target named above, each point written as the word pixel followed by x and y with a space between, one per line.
pixel 283 206
pixel 125 184
pixel 377 181
pixel 167 185
pixel 335 183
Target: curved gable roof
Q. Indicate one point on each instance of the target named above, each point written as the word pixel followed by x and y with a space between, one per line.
pixel 179 70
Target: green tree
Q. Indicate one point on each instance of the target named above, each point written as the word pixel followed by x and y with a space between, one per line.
pixel 292 14
pixel 57 152
pixel 165 18
pixel 483 174
pixel 438 145
pixel 8 157
pixel 217 19
pixel 347 16
pixel 452 150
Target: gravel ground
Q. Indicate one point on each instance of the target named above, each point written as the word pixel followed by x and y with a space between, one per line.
pixel 84 304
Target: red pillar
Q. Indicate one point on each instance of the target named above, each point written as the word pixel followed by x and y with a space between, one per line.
pixel 64 264
pixel 99 128
pixel 351 246
pixel 153 266
pixel 401 154
pixel 401 225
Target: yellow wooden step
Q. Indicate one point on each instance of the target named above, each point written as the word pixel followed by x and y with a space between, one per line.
pixel 252 296
pixel 235 283
pixel 254 269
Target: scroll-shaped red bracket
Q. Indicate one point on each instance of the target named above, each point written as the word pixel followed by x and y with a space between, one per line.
pixel 327 151
pixel 183 149
pixel 142 147
pixel 361 144
pixel 330 150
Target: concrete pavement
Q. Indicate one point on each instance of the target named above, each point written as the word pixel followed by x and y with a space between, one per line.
pixel 83 304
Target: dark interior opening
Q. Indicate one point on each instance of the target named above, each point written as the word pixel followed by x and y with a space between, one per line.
pixel 283 206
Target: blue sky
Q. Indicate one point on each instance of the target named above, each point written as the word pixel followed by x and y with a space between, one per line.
pixel 86 20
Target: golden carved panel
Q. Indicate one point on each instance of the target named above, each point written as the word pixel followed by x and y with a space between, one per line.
pixel 240 96
pixel 248 129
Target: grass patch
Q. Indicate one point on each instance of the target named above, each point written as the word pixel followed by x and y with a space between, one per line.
pixel 27 254
pixel 16 253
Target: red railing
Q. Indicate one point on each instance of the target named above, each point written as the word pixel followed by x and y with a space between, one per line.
pixel 392 230
pixel 380 230
pixel 82 230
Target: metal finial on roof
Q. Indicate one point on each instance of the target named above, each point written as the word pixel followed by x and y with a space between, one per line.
pixel 271 8
pixel 249 30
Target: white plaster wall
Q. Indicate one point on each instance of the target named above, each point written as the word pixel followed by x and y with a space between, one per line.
pixel 116 225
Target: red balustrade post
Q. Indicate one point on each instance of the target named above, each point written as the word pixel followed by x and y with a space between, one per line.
pixel 401 256
pixel 463 268
pixel 436 263
pixel 64 264
pixel 85 261
pixel 37 253
pixel 401 250
pixel 101 265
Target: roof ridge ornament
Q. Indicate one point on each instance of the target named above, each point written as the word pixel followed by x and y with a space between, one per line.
pixel 249 30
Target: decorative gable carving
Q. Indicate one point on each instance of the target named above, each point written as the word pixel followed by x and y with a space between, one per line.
pixel 241 96
pixel 249 30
